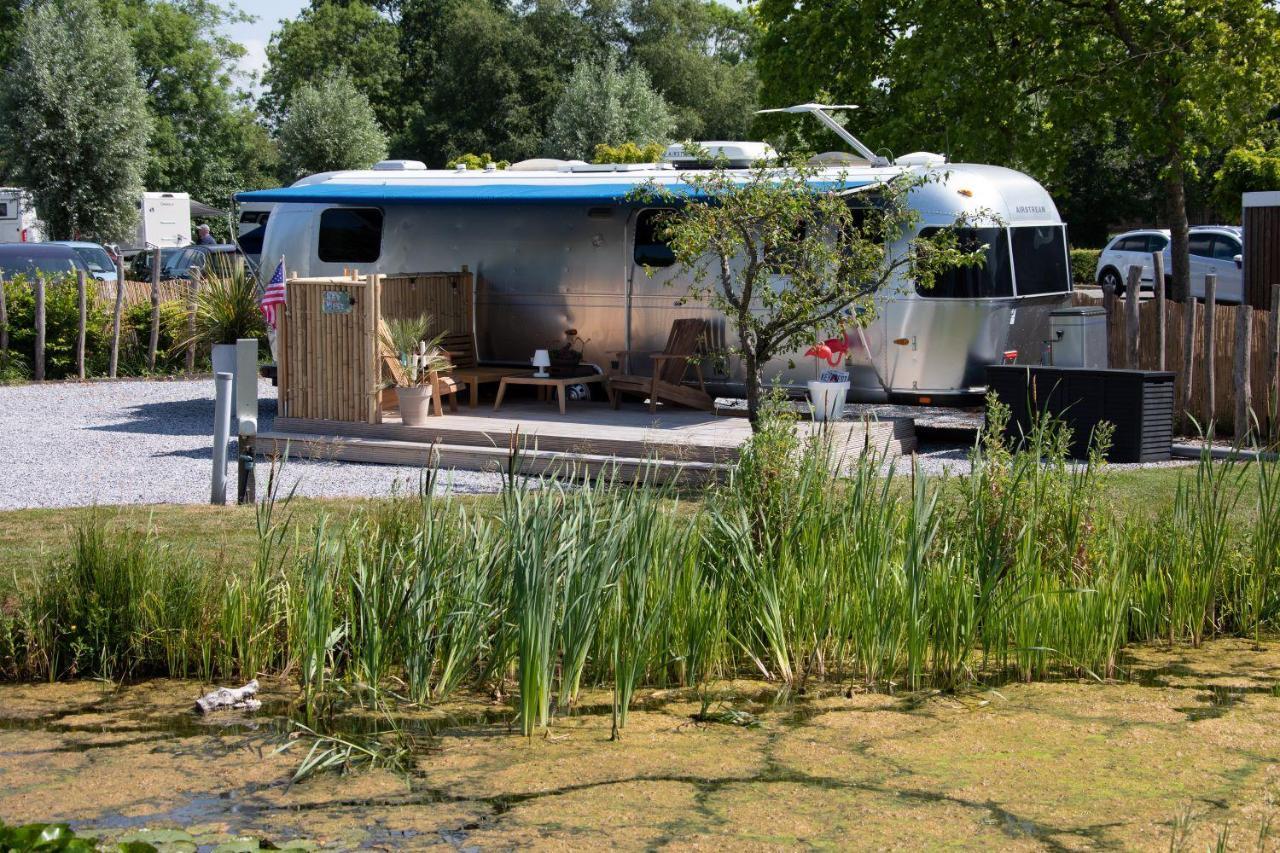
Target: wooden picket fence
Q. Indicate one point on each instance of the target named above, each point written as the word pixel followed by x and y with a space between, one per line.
pixel 327 343
pixel 1264 368
pixel 137 292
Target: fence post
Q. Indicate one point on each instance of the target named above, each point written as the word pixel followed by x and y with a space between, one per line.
pixel 1273 362
pixel 1132 323
pixel 4 328
pixel 192 295
pixel 38 370
pixel 82 304
pixel 1162 308
pixel 1211 346
pixel 1240 372
pixel 372 294
pixel 1188 359
pixel 154 343
pixel 115 317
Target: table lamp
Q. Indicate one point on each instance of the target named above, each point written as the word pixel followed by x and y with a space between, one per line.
pixel 541 360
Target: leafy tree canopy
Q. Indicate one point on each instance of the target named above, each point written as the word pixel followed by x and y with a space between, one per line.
pixel 329 37
pixel 74 120
pixel 603 103
pixel 327 127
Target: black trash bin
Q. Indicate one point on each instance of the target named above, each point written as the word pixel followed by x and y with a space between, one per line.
pixel 1139 403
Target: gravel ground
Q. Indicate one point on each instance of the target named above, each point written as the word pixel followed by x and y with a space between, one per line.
pixel 144 442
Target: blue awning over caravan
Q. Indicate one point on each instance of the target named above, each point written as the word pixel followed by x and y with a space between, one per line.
pixel 503 192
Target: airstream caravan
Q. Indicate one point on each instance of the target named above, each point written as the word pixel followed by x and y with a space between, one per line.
pixel 557 245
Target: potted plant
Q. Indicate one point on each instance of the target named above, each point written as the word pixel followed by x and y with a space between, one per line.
pixel 828 392
pixel 566 357
pixel 420 360
pixel 226 310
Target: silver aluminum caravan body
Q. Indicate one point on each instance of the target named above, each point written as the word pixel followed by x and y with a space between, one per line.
pixel 564 248
pixel 19 222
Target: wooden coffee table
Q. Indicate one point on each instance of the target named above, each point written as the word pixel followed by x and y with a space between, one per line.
pixel 560 383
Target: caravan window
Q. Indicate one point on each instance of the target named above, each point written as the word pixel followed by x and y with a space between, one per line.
pixel 1040 259
pixel 650 250
pixel 4 210
pixel 350 235
pixel 991 279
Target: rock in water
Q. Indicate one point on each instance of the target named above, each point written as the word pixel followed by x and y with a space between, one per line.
pixel 230 699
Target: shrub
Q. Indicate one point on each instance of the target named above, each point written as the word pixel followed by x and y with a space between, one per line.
pixel 476 161
pixel 62 320
pixel 1083 264
pixel 627 152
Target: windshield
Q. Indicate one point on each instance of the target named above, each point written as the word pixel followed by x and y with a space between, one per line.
pixel 990 279
pixel 15 265
pixel 1040 259
pixel 95 258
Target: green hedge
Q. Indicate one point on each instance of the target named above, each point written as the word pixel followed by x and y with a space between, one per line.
pixel 1083 264
pixel 62 324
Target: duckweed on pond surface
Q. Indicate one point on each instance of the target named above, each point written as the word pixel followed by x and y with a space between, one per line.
pixel 1060 765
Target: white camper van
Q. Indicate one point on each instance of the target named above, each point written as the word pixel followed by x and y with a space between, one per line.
pixel 164 219
pixel 558 245
pixel 18 220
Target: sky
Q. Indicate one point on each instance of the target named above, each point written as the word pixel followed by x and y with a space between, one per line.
pixel 255 36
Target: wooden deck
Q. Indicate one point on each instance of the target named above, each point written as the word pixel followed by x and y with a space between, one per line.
pixel 589 439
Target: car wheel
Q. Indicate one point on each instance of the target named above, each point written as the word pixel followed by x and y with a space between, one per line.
pixel 1111 278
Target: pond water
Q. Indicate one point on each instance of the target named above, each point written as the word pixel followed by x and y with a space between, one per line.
pixel 1188 742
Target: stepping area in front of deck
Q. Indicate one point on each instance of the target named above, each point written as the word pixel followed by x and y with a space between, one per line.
pixel 589 439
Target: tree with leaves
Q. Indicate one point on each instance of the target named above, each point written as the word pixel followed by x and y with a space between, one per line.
pixel 788 264
pixel 327 127
pixel 73 119
pixel 328 37
pixel 604 104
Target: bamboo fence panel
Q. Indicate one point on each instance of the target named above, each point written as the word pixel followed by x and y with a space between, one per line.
pixel 136 292
pixel 329 364
pixel 1175 347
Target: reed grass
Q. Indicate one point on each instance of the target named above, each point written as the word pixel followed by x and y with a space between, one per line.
pixel 1020 569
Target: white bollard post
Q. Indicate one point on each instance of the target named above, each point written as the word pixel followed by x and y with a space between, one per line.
pixel 221 431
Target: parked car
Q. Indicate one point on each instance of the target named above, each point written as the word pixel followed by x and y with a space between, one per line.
pixel 95 257
pixel 1217 249
pixel 217 259
pixel 48 258
pixel 1132 248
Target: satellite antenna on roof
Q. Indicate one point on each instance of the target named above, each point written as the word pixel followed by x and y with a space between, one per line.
pixel 822 113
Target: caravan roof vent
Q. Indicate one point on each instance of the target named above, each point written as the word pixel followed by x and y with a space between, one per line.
pixel 540 164
pixel 399 166
pixel 837 158
pixel 920 158
pixel 740 155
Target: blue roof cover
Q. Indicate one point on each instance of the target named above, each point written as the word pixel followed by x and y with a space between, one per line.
pixel 498 192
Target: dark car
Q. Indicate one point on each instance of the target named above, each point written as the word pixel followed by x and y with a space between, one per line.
pixel 27 258
pixel 217 259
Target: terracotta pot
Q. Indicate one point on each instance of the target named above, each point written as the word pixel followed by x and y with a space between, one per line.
pixel 415 404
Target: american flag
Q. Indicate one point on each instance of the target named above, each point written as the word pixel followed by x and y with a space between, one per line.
pixel 273 295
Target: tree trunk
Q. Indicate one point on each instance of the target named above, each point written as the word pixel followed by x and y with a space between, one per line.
pixel 754 382
pixel 1176 201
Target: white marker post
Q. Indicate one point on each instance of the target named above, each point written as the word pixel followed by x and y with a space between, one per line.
pixel 221 431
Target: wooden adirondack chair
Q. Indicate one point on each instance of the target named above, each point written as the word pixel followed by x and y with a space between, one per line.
pixel 669 368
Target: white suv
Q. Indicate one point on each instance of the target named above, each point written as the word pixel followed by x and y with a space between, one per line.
pixel 1217 249
pixel 1131 249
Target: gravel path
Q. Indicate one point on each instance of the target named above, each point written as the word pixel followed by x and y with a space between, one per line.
pixel 143 442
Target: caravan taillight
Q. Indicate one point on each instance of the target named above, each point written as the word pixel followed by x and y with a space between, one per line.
pixel 24 235
pixel 1010 356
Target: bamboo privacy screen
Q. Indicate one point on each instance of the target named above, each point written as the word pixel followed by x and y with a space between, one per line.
pixel 327 342
pixel 1261 371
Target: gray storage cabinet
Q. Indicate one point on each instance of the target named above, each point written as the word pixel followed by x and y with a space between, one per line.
pixel 1139 403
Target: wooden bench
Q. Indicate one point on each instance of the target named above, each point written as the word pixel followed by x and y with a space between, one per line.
pixel 461 347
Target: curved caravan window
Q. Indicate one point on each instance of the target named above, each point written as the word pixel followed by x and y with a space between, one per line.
pixel 650 250
pixel 991 279
pixel 350 235
pixel 1040 259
